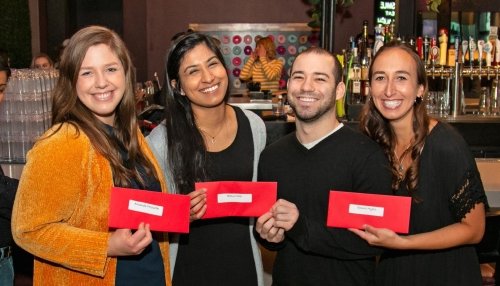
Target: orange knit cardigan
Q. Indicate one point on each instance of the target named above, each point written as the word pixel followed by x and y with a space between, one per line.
pixel 61 210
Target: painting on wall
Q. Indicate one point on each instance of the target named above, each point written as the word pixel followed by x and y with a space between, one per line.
pixel 238 41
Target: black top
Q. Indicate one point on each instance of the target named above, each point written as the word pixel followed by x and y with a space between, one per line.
pixel 218 251
pixel 8 188
pixel 312 253
pixel 146 268
pixel 449 187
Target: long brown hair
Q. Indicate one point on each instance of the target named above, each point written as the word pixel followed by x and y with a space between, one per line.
pixel 378 128
pixel 66 107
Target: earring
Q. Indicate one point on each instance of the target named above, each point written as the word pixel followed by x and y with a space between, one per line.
pixel 418 100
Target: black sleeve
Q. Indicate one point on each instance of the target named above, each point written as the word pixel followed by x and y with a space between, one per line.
pixel 8 188
pixel 370 176
pixel 466 188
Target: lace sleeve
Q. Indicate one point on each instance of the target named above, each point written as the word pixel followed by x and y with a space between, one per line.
pixel 469 194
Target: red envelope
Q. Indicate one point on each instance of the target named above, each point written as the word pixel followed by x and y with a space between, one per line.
pixel 353 210
pixel 163 212
pixel 245 199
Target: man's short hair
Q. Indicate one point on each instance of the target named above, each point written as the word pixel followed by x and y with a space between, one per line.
pixel 337 69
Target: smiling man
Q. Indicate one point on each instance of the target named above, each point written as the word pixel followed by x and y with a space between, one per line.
pixel 322 155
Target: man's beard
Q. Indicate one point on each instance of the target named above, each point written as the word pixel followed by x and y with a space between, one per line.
pixel 312 116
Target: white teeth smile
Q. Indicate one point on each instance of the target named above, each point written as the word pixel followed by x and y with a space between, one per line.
pixel 307 99
pixel 210 89
pixel 103 96
pixel 392 103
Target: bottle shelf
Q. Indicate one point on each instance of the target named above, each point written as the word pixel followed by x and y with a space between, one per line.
pixel 466 71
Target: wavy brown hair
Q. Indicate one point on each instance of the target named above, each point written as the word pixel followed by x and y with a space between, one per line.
pixel 67 108
pixel 378 128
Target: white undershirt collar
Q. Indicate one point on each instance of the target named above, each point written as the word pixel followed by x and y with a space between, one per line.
pixel 315 142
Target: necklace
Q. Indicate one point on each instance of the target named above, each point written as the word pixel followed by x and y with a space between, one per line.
pixel 212 137
pixel 400 160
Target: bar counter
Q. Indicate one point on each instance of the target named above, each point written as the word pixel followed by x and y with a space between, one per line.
pixel 482 133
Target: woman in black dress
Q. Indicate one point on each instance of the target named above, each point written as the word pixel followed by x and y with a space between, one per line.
pixel 205 139
pixel 431 163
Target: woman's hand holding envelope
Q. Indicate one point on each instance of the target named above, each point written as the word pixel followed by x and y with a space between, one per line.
pixel 380 237
pixel 122 242
pixel 198 202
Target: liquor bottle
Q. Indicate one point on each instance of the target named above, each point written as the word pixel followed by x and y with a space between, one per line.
pixel 379 39
pixel 364 60
pixel 363 40
pixel 364 51
pixel 392 30
pixel 387 34
pixel 420 47
pixel 348 73
pixel 426 50
pixel 443 46
pixel 350 57
pixel 433 52
pixel 356 79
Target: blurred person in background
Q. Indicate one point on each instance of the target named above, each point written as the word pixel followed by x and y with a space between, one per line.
pixel 262 66
pixel 42 61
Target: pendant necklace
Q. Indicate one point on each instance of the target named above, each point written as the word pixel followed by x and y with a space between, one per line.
pixel 401 159
pixel 210 137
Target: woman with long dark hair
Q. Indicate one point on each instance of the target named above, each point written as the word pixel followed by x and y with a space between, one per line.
pixel 205 139
pixel 430 163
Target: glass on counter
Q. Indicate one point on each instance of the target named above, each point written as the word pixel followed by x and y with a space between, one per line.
pixel 25 113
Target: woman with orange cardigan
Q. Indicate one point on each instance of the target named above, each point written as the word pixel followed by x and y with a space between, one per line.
pixel 61 209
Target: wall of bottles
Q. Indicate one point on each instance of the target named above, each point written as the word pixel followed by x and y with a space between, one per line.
pixel 463 73
pixel 25 113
